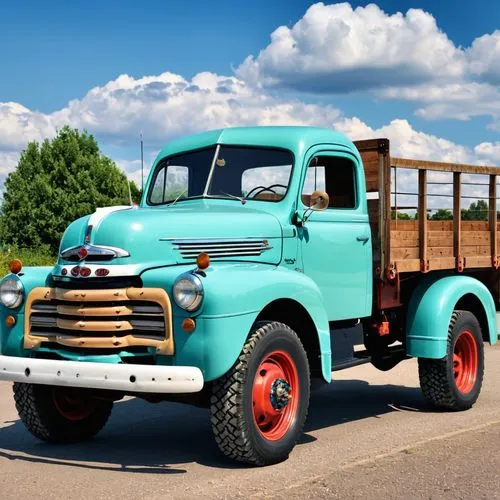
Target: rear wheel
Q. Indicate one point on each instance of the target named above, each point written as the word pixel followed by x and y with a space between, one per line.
pixel 60 414
pixel 454 382
pixel 259 407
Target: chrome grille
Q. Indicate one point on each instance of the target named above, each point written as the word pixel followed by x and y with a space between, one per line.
pixel 64 318
pixel 219 249
pixel 105 318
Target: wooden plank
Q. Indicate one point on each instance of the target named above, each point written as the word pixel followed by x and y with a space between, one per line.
pixel 435 264
pixel 478 261
pixel 444 167
pixel 440 238
pixel 404 253
pixel 457 215
pixel 422 214
pixel 475 238
pixel 402 239
pixel 475 251
pixel 492 216
pixel 371 166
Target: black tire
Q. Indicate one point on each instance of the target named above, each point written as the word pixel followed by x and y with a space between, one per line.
pixel 232 407
pixel 441 384
pixel 39 407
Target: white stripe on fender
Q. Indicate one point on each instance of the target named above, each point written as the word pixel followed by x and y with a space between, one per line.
pixel 101 213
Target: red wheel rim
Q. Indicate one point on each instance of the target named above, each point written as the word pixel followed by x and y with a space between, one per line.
pixel 275 395
pixel 71 405
pixel 465 361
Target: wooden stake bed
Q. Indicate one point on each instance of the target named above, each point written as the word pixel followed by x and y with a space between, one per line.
pixel 424 245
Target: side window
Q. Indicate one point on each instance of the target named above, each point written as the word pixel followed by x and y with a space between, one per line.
pixel 336 176
pixel 171 182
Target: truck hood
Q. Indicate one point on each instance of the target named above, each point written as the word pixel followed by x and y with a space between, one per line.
pixel 172 235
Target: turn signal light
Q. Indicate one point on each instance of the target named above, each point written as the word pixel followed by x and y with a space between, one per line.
pixel 203 260
pixel 10 321
pixel 189 325
pixel 15 266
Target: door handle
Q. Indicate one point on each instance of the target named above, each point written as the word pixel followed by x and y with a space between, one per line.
pixel 364 239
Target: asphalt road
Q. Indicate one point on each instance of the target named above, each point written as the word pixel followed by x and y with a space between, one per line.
pixel 369 434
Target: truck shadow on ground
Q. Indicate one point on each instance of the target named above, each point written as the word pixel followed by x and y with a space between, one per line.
pixel 153 439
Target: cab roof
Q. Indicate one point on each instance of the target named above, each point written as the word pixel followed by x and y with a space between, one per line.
pixel 295 139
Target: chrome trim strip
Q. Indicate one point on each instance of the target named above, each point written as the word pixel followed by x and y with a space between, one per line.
pixel 217 238
pixel 114 271
pixel 95 251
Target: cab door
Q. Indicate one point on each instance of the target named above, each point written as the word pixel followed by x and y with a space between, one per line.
pixel 335 244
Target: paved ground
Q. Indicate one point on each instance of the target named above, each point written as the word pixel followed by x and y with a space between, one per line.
pixel 370 434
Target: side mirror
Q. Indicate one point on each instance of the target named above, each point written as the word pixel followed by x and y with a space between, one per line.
pixel 319 200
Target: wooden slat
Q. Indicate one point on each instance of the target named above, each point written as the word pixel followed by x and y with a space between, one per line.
pixel 475 250
pixel 402 239
pixel 478 261
pixel 422 213
pixel 492 216
pixel 457 214
pixel 371 166
pixel 443 167
pixel 475 238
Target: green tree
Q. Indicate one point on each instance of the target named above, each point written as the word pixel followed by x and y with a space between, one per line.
pixel 442 214
pixel 477 211
pixel 55 183
pixel 400 215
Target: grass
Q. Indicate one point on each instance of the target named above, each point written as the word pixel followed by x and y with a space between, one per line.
pixel 28 257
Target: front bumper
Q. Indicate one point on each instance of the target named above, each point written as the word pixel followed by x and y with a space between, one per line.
pixel 119 377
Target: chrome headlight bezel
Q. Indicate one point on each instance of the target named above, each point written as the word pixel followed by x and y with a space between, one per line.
pixel 188 292
pixel 16 290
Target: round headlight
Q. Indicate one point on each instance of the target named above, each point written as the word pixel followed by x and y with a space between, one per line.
pixel 11 293
pixel 188 291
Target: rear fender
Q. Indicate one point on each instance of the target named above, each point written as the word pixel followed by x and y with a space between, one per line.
pixel 430 310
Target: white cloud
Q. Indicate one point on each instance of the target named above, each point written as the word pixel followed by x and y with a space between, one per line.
pixel 335 48
pixel 408 142
pixel 490 151
pixel 18 125
pixel 167 105
pixel 484 57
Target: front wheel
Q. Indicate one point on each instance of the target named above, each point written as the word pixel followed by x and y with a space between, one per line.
pixel 259 407
pixel 454 382
pixel 60 414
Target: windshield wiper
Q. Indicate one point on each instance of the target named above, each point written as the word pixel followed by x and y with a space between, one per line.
pixel 172 203
pixel 234 197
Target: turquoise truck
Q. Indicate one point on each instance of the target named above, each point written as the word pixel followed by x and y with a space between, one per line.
pixel 259 260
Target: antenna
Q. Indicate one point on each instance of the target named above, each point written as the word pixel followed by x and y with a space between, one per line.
pixel 142 165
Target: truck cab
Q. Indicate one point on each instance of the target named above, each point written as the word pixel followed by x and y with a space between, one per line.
pixel 253 264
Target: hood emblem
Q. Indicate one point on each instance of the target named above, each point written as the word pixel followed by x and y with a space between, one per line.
pixel 92 252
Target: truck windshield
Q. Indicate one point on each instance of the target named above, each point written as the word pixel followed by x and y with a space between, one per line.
pixel 223 172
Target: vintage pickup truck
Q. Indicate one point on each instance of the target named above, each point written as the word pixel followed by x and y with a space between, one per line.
pixel 259 260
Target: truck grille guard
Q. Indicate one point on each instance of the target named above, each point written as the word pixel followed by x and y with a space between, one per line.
pixel 106 318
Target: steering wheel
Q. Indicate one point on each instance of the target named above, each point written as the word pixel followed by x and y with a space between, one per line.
pixel 264 188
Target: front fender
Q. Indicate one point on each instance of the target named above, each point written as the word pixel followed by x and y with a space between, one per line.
pixel 11 338
pixel 430 310
pixel 234 295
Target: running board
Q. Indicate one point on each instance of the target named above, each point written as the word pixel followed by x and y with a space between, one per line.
pixel 342 365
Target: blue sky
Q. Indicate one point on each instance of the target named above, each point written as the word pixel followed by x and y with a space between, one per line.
pixel 54 52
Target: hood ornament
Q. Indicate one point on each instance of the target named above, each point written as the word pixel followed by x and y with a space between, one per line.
pixel 92 252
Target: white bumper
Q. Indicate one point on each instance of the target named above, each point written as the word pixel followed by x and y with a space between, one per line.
pixel 120 377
